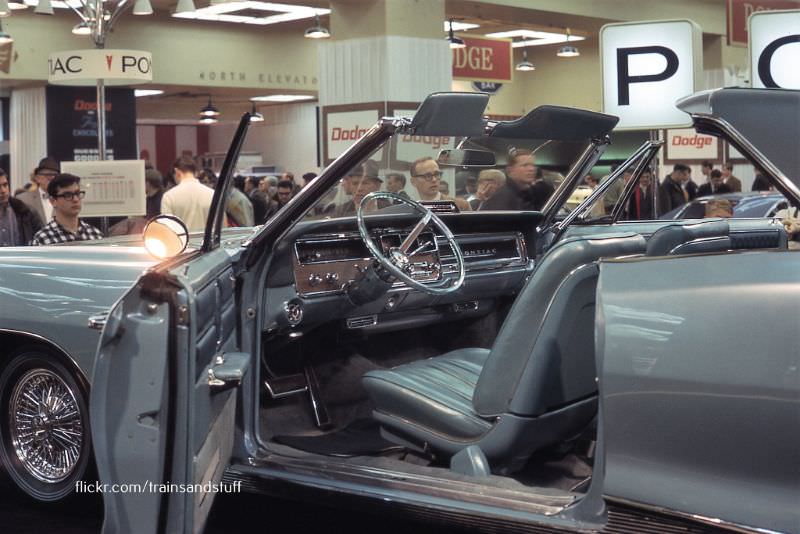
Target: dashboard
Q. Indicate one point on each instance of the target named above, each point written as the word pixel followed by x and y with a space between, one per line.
pixel 326 264
pixel 316 265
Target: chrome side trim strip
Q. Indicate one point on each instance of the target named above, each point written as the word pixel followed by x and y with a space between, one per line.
pixel 711 521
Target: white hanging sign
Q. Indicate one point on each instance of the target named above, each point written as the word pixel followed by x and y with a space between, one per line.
pixel 647 67
pixel 114 67
pixel 775 49
pixel 113 187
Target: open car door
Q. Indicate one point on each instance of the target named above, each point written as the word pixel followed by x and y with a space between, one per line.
pixel 165 384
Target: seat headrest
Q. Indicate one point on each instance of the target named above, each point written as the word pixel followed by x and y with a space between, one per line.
pixel 666 239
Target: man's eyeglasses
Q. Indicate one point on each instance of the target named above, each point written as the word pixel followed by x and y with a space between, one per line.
pixel 48 174
pixel 429 177
pixel 72 195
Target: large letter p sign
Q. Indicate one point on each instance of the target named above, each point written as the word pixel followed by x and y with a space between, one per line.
pixel 624 78
pixel 647 67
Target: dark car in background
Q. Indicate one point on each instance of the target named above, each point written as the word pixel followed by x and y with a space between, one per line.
pixel 753 204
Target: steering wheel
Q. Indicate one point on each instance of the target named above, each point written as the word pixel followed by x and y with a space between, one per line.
pixel 400 260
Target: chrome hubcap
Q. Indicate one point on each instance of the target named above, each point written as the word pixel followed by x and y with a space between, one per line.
pixel 45 425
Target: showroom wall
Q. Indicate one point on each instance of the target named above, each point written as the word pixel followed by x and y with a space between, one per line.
pixel 287 137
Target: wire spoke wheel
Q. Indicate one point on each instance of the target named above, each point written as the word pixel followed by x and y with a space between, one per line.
pixel 45 445
pixel 45 425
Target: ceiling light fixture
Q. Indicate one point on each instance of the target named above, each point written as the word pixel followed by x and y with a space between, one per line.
pixel 525 65
pixel 142 7
pixel 568 50
pixel 5 9
pixel 247 12
pixel 147 92
pixel 282 98
pixel 44 7
pixel 81 28
pixel 455 42
pixel 208 120
pixel 255 116
pixel 4 37
pixel 184 7
pixel 209 110
pixel 460 26
pixel 535 37
pixel 317 31
pixel 17 5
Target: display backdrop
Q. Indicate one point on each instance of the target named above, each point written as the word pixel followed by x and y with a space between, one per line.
pixel 72 123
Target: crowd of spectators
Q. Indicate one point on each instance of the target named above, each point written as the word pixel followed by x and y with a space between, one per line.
pixel 47 209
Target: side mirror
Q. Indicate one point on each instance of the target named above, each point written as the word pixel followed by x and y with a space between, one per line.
pixel 466 158
pixel 165 236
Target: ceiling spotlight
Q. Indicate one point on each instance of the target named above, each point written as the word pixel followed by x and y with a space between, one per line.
pixel 209 110
pixel 185 6
pixel 318 31
pixel 4 37
pixel 455 42
pixel 255 116
pixel 81 28
pixel 208 120
pixel 44 7
pixel 525 65
pixel 142 7
pixel 568 50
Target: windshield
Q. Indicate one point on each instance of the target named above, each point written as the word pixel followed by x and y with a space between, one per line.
pixel 523 176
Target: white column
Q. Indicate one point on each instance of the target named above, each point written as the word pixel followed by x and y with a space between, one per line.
pixel 28 136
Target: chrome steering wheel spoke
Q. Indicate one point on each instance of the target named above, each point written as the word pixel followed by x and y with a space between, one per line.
pixel 398 260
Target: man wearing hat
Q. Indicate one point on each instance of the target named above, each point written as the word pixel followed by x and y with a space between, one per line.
pixel 38 200
pixel 364 184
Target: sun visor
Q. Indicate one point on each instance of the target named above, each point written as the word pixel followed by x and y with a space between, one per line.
pixel 557 123
pixel 456 114
pixel 768 118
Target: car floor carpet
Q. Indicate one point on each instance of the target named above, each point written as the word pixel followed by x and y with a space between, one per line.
pixel 362 437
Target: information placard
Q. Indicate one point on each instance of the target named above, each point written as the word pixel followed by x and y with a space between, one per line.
pixel 113 188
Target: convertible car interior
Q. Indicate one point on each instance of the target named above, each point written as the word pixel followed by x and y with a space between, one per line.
pixel 479 364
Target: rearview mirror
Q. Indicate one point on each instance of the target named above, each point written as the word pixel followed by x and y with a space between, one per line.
pixel 466 158
pixel 165 236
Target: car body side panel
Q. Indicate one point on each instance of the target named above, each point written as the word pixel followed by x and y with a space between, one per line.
pixel 700 384
pixel 51 291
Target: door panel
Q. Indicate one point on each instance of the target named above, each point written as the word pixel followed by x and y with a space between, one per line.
pixel 700 385
pixel 129 409
pixel 192 353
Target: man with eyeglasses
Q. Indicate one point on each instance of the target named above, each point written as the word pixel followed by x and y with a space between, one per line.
pixel 38 200
pixel 65 198
pixel 425 176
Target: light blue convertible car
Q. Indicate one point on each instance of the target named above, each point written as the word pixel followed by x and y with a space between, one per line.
pixel 508 369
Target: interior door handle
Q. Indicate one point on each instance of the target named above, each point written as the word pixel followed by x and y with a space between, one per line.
pixel 228 370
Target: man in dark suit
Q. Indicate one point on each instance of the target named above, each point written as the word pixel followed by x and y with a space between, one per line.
pixel 671 193
pixel 522 190
pixel 18 223
pixel 640 206
pixel 715 186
